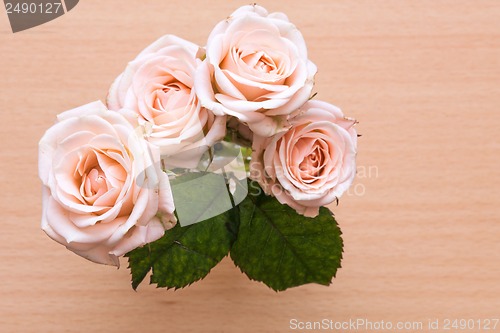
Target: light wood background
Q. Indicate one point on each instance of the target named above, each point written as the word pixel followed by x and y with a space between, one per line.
pixel 421 227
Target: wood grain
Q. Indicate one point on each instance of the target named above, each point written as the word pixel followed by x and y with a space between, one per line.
pixel 421 226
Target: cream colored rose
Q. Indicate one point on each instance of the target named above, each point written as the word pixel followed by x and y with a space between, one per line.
pixel 256 69
pixel 310 165
pixel 158 86
pixel 103 192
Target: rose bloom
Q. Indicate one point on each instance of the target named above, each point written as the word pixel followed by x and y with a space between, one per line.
pixel 256 69
pixel 103 192
pixel 158 86
pixel 311 164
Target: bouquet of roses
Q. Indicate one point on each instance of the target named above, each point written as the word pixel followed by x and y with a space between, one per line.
pixel 203 152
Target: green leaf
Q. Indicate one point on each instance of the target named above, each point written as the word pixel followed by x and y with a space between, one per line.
pixel 184 255
pixel 199 196
pixel 283 249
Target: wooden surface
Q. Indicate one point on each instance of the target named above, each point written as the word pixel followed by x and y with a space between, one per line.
pixel 421 227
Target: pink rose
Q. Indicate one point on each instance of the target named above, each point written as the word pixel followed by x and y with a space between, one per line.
pixel 310 165
pixel 157 85
pixel 103 192
pixel 256 70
